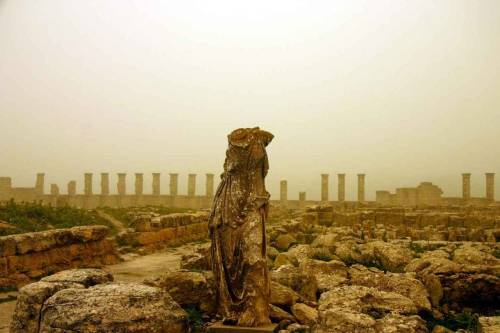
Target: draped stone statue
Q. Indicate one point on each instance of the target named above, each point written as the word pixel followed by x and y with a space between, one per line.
pixel 237 230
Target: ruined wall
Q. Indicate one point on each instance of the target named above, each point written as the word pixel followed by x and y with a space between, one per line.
pixel 30 256
pixel 154 233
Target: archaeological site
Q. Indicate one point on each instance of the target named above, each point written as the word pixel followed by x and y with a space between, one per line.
pixel 282 166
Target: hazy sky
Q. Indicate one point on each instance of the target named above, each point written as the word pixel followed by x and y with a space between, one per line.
pixel 404 91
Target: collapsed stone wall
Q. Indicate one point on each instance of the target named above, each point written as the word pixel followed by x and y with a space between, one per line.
pixel 153 233
pixel 30 256
pixel 417 225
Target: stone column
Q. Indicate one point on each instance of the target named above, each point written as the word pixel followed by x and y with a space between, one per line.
pixel 191 185
pixel 54 189
pixel 88 184
pixel 283 191
pixel 174 184
pixel 104 183
pixel 361 187
pixel 324 187
pixel 341 189
pixel 156 183
pixel 466 186
pixel 121 186
pixel 490 186
pixel 209 185
pixel 302 199
pixel 40 183
pixel 139 184
pixel 72 188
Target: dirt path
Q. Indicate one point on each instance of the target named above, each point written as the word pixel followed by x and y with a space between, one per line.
pixel 116 223
pixel 134 269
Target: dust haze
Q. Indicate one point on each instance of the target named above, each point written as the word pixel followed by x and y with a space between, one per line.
pixel 402 91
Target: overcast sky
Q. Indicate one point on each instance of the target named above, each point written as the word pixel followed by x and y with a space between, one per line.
pixel 404 91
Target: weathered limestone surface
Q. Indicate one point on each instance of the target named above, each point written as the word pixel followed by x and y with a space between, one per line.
pixel 154 233
pixel 114 307
pixel 30 256
pixel 87 301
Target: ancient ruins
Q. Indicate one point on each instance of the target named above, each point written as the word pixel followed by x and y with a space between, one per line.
pixel 425 194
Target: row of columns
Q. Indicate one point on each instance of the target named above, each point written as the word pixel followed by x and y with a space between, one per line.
pixel 490 186
pixel 139 184
pixel 341 187
pixel 325 188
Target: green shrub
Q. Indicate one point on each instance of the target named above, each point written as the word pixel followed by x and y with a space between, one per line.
pixel 33 216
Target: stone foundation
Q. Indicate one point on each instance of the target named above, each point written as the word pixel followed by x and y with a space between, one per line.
pixel 28 257
pixel 155 233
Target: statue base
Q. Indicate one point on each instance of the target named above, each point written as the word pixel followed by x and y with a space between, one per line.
pixel 219 327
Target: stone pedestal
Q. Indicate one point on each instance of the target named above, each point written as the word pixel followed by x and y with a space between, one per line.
pixel 221 328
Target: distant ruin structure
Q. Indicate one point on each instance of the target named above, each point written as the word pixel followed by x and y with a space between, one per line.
pixel 209 185
pixel 324 187
pixel 424 194
pixel 490 186
pixel 88 184
pixel 361 187
pixel 466 187
pixel 156 184
pixel 104 183
pixel 283 191
pixel 341 188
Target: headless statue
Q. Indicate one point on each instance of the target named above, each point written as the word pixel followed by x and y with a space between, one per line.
pixel 237 231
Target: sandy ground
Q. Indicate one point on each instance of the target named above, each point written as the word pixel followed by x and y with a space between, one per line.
pixel 134 269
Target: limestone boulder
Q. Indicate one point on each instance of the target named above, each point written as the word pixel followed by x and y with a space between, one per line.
pixel 277 314
pixel 394 323
pixel 198 260
pixel 302 282
pixel 404 284
pixel 299 253
pixel 392 257
pixel 84 276
pixel 282 295
pixel 30 301
pixel 305 314
pixel 113 307
pixel 328 274
pixel 360 309
pixel 434 262
pixel 284 259
pixel 188 288
pixel 489 324
pixel 283 242
pixel 474 255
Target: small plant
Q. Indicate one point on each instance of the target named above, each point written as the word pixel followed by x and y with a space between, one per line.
pixel 195 317
pixel 322 255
